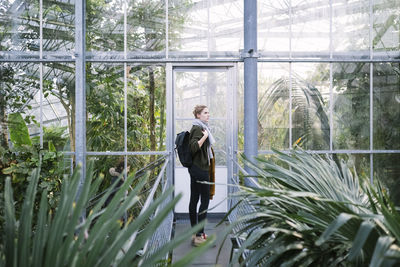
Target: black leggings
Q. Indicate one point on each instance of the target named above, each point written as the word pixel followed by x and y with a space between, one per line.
pixel 198 190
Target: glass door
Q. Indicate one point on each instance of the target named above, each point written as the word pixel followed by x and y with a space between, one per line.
pixel 211 86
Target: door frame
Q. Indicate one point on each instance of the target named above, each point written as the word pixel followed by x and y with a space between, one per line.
pixel 231 113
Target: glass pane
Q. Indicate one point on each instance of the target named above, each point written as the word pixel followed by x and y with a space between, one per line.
pixel 146 25
pixel 55 168
pixel 140 166
pixel 358 162
pixel 273 27
pixel 216 93
pixel 105 107
pixel 146 108
pixel 387 170
pixel 111 166
pixel 19 25
pixel 310 105
pixel 58 114
pixel 220 158
pixel 226 25
pixel 386 106
pixel 351 105
pixel 386 26
pixel 19 104
pixel 206 87
pixel 350 29
pixel 183 125
pixel 273 106
pixel 218 129
pixel 105 26
pixel 188 26
pixel 59 25
pixel 310 26
pixel 107 168
pixel 205 27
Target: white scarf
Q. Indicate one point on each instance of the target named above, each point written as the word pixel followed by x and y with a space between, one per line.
pixel 211 139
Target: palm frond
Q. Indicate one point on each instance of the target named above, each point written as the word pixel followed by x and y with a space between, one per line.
pixel 311 211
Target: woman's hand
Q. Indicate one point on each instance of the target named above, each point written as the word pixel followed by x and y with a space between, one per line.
pixel 203 139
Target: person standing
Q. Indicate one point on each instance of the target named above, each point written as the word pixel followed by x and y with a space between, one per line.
pixel 200 142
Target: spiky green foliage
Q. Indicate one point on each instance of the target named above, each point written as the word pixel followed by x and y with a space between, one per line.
pixel 66 238
pixel 314 212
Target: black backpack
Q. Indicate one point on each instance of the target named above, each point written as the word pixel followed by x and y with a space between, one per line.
pixel 182 147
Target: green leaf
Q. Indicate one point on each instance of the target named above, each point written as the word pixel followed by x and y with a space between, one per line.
pixel 341 220
pixel 52 148
pixel 381 247
pixel 19 133
pixel 359 241
pixel 25 228
pixel 41 232
pixel 10 224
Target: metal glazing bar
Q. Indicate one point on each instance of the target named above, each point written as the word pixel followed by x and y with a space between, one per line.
pixel 127 153
pixel 162 61
pixel 330 107
pixel 166 28
pixel 250 81
pixel 41 70
pixel 327 60
pixel 371 120
pixel 330 30
pixel 341 151
pixel 41 105
pixel 290 107
pixel 208 29
pixel 170 115
pixel 290 28
pixel 125 88
pixel 234 118
pixel 371 90
pixel 80 92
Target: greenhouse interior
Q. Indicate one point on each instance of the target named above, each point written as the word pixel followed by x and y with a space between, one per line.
pixel 304 105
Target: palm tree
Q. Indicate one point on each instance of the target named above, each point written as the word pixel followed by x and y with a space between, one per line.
pixel 314 212
pixel 308 108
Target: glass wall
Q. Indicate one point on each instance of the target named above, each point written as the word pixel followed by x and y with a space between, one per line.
pixel 341 81
pixel 328 75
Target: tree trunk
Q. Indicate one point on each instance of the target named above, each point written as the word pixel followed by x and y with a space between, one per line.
pixel 162 119
pixel 151 112
pixel 3 123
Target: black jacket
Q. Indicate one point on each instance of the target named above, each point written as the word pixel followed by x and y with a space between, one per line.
pixel 199 154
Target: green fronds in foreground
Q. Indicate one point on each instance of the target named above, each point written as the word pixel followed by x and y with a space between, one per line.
pixel 67 238
pixel 314 212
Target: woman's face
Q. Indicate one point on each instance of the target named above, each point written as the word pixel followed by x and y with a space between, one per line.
pixel 204 115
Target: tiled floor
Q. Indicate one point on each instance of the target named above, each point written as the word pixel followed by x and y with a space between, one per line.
pixel 208 258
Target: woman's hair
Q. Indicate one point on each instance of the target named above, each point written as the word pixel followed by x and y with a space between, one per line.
pixel 198 109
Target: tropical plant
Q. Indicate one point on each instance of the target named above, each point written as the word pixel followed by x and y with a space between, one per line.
pixel 25 154
pixel 308 110
pixel 69 238
pixel 312 211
